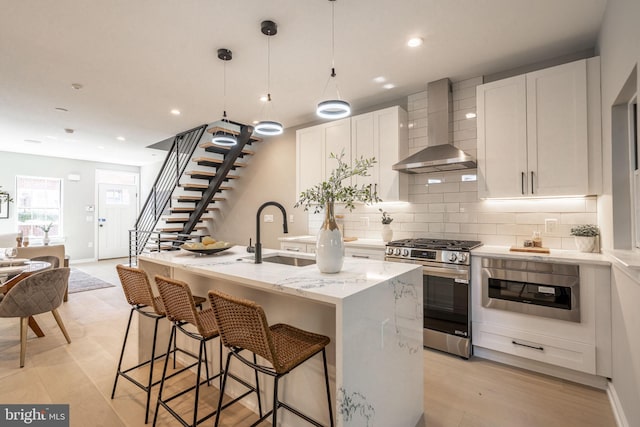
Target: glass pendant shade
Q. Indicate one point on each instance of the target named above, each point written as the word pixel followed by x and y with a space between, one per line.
pixel 333 109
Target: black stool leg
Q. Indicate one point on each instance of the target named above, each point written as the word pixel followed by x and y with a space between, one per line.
pixel 326 380
pixel 255 371
pixel 124 344
pixel 164 374
pixel 224 383
pixel 198 372
pixel 275 402
pixel 206 365
pixel 151 363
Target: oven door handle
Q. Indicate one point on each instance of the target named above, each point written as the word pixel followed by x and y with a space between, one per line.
pixel 461 276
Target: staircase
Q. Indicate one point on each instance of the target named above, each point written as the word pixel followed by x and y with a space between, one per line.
pixel 196 177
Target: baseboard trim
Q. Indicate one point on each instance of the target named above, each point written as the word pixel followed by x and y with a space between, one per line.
pixel 82 261
pixel 616 406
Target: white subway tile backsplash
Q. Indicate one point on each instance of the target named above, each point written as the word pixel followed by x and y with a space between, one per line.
pixel 417 132
pixel 417 114
pixel 417 96
pixel 445 187
pixel 467 196
pixel 429 217
pixel 578 218
pixel 467 92
pixel 497 218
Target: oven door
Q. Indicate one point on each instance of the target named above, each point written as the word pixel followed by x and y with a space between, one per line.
pixel 446 298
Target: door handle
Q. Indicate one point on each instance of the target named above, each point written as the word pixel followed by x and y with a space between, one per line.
pixel 522 178
pixel 531 182
pixel 514 342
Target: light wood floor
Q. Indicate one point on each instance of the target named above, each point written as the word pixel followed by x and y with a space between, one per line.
pixel 458 393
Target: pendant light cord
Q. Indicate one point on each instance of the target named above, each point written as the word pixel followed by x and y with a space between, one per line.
pixel 224 91
pixel 333 52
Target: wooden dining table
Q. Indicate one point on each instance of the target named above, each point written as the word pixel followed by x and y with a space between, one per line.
pixel 30 267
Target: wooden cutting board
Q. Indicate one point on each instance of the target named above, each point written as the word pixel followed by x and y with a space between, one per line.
pixel 534 250
pixel 349 239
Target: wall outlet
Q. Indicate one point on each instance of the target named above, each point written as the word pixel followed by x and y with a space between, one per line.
pixel 291 218
pixel 268 218
pixel 550 225
pixel 90 244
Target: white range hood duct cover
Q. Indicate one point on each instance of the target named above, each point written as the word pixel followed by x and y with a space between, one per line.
pixel 440 155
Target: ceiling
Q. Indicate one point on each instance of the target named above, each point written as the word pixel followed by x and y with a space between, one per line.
pixel 137 60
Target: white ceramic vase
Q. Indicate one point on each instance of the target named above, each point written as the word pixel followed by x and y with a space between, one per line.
pixel 585 243
pixel 387 233
pixel 329 245
pixel 45 240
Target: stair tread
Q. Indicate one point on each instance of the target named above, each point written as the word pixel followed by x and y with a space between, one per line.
pixel 233 132
pixel 209 174
pixel 204 186
pixel 188 210
pixel 219 148
pixel 179 229
pixel 197 199
pixel 214 161
pixel 174 220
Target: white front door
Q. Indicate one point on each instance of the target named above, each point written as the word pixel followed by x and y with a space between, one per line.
pixel 117 212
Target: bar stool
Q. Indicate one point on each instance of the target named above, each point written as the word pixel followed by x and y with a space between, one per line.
pixel 139 294
pixel 243 325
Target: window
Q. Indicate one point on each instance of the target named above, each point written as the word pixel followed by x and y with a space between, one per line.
pixel 38 204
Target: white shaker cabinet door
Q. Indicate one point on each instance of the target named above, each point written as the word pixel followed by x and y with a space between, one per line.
pixel 502 138
pixel 557 130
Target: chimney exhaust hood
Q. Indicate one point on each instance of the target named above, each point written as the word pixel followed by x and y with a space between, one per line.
pixel 440 155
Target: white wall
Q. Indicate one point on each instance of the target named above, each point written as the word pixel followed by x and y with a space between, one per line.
pixel 78 231
pixel 619 49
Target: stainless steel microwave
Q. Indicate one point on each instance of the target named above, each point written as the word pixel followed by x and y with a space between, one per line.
pixel 536 288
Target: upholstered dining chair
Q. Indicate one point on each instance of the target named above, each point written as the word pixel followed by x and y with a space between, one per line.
pixel 38 293
pixel 53 260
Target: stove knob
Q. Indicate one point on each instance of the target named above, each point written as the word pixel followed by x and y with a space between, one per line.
pixel 396 251
pixel 453 257
pixel 405 252
pixel 389 251
pixel 462 257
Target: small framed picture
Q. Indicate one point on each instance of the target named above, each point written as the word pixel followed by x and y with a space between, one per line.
pixel 4 206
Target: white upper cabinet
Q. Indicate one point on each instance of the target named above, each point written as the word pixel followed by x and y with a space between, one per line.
pixel 313 147
pixel 535 136
pixel 382 134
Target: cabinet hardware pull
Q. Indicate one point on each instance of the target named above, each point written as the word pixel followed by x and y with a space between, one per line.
pixel 531 182
pixel 359 256
pixel 522 178
pixel 294 249
pixel 526 345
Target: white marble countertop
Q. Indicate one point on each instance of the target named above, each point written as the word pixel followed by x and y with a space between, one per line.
pixel 556 255
pixel 237 265
pixel 360 243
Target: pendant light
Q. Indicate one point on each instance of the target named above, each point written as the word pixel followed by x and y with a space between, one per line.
pixel 333 108
pixel 222 137
pixel 268 127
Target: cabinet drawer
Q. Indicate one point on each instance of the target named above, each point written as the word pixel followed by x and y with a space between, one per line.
pixel 298 247
pixel 377 254
pixel 560 352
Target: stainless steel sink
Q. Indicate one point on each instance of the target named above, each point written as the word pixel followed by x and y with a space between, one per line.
pixel 288 260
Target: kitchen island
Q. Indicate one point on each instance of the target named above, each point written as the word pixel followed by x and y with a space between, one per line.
pixel 371 310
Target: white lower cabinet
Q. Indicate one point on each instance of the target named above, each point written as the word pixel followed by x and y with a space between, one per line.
pixel 298 247
pixel 563 352
pixel 583 346
pixel 377 254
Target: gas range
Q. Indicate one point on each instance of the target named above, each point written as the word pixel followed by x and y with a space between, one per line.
pixel 433 250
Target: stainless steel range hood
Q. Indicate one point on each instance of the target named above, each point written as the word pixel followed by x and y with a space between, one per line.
pixel 440 155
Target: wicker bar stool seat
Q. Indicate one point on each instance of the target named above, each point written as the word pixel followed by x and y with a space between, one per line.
pixel 180 308
pixel 139 295
pixel 243 326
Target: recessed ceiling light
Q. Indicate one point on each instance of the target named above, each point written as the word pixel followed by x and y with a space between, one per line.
pixel 52 137
pixel 69 130
pixel 255 122
pixel 101 147
pixel 380 79
pixel 61 109
pixel 175 112
pixel 33 141
pixel 120 138
pixel 264 98
pixel 389 86
pixel 470 115
pixel 415 42
pixel 76 86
